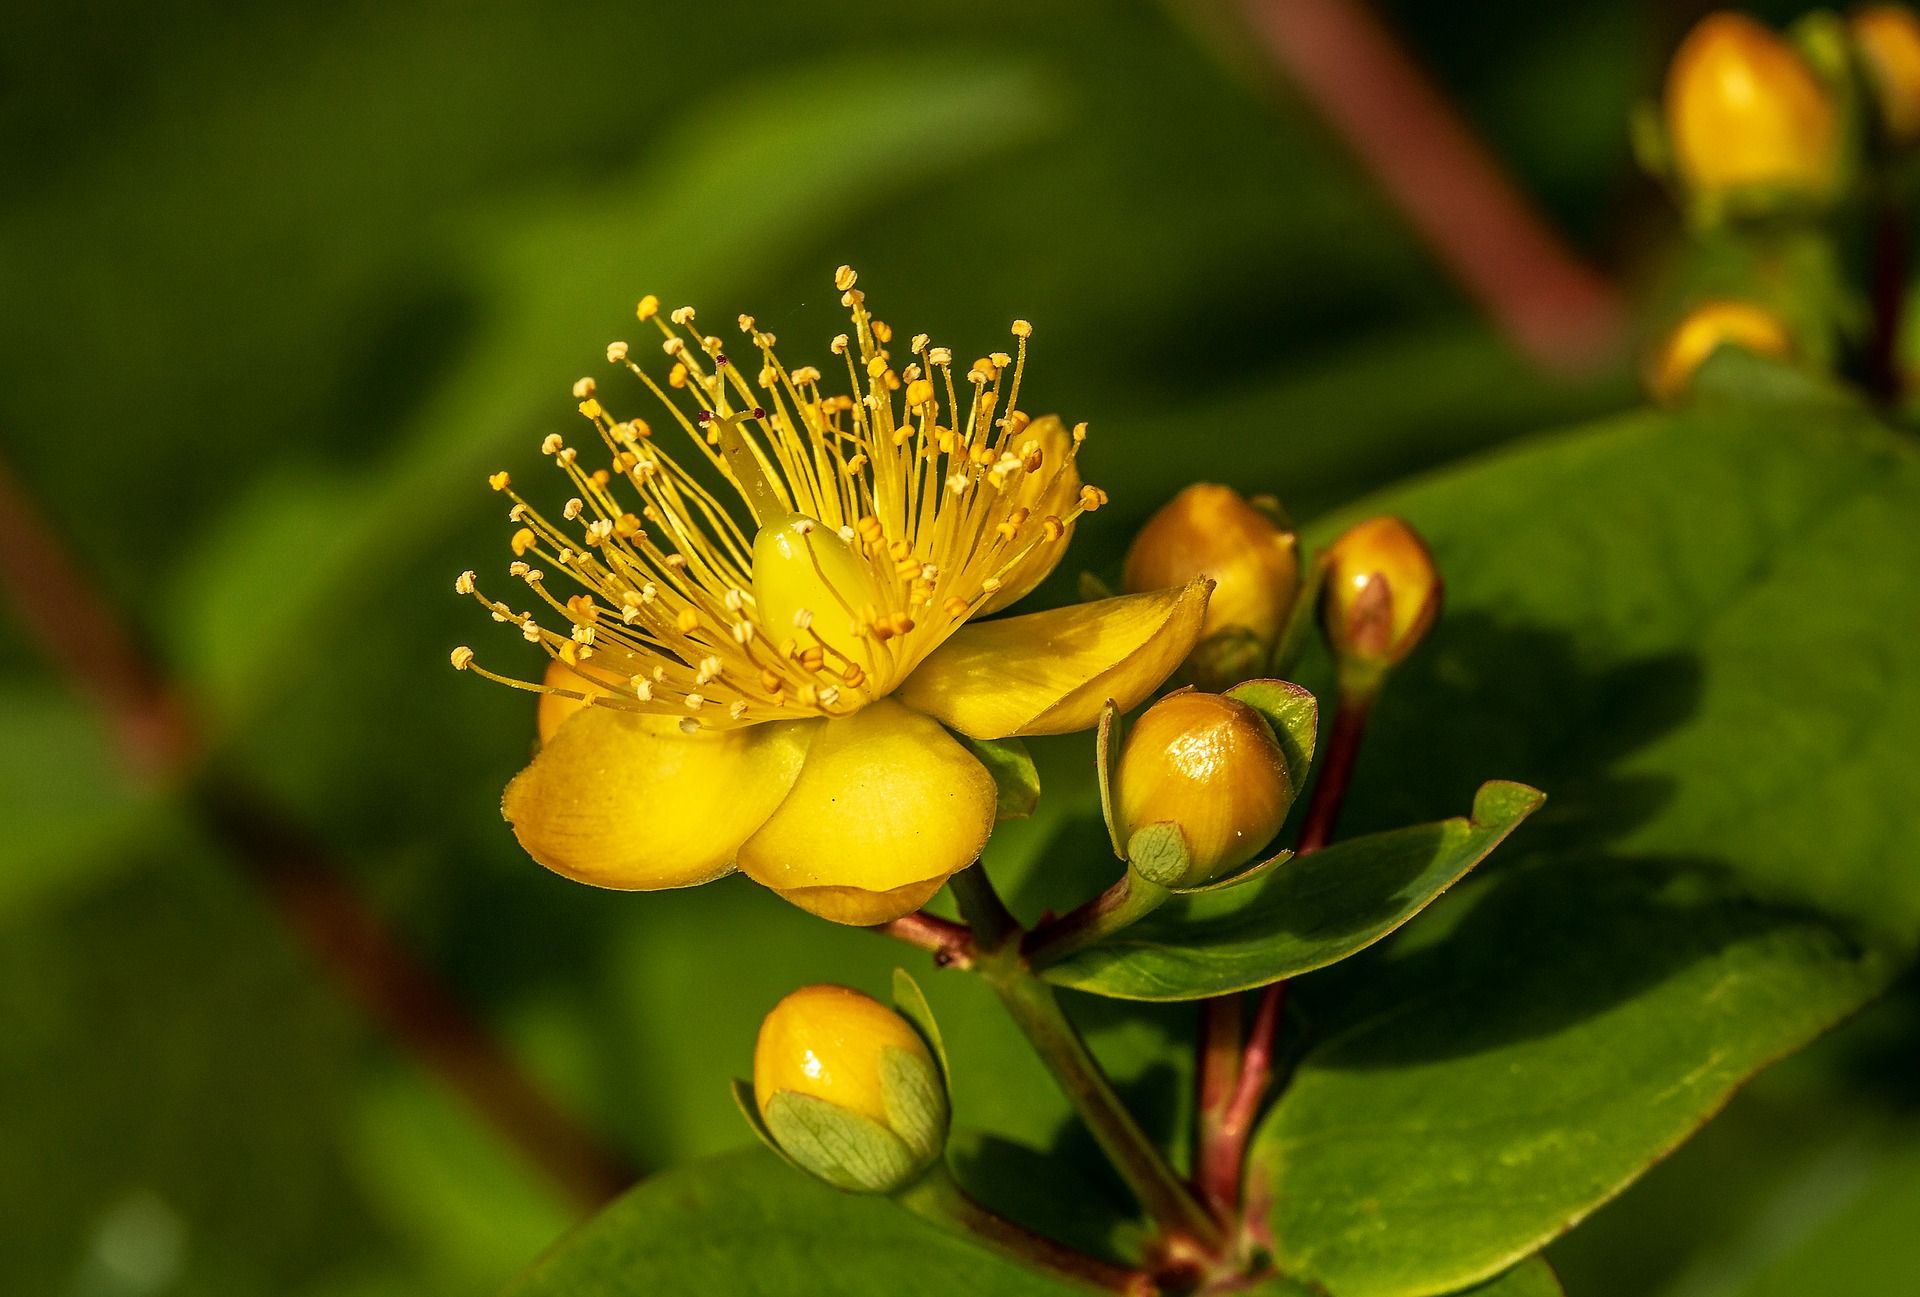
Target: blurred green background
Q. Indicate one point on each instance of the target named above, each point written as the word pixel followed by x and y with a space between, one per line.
pixel 281 285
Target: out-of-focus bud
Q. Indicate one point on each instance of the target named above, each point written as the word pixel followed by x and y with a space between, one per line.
pixel 1382 594
pixel 1888 39
pixel 1703 331
pixel 1211 767
pixel 848 1090
pixel 1746 114
pixel 1211 531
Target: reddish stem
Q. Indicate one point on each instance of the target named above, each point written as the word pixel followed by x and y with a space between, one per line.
pixel 86 639
pixel 950 944
pixel 1891 253
pixel 1228 1124
pixel 1444 182
pixel 1216 1169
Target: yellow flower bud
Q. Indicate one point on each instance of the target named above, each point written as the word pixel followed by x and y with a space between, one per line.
pixel 1702 331
pixel 1743 110
pixel 848 1089
pixel 1382 593
pixel 1888 38
pixel 1211 531
pixel 1211 766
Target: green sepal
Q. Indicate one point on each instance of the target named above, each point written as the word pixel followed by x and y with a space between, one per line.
pixel 1245 876
pixel 843 1148
pixel 1294 714
pixel 911 1003
pixel 1158 853
pixel 743 1100
pixel 1107 765
pixel 916 1097
pixel 1016 782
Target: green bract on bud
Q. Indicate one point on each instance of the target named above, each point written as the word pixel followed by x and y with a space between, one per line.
pixel 848 1090
pixel 1382 593
pixel 1210 531
pixel 1211 767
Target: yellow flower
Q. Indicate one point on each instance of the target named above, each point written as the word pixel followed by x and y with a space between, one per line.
pixel 775 684
pixel 1745 111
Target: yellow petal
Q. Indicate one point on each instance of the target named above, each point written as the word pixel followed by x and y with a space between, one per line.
pixel 1052 672
pixel 628 801
pixel 887 800
pixel 859 907
pixel 1051 490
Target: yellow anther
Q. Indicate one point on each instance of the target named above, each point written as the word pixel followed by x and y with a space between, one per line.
pixel 769 680
pixel 688 621
pixel 498 481
pixel 1022 329
pixel 745 322
pixel 682 315
pixel 1052 528
pixel 1092 497
pixel 616 352
pixel 677 378
pixel 462 658
pixel 882 332
pixel 844 278
pixel 649 307
pixel 839 344
pixel 812 658
pixel 955 606
pixel 876 367
pixel 591 408
pixel 854 675
pixel 940 356
pixel 1079 433
pixel 1016 422
pixel 463 584
pixel 523 540
pixel 552 443
pixel 1000 360
pixel 583 388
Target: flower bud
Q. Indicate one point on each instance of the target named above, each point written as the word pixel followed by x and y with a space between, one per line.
pixel 1744 112
pixel 848 1090
pixel 1382 593
pixel 1702 331
pixel 1210 531
pixel 1888 39
pixel 1210 766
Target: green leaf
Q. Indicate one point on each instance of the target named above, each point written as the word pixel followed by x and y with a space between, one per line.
pixel 1294 714
pixel 1308 913
pixel 1014 778
pixel 1531 1278
pixel 1697 629
pixel 745 1226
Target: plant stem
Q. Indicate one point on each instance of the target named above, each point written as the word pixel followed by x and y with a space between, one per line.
pixel 1216 1174
pixel 1891 247
pixel 1036 1010
pixel 1227 1124
pixel 950 944
pixel 1125 903
pixel 938 1197
pixel 1343 747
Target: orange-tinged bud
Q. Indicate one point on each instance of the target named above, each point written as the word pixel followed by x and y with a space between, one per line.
pixel 832 1061
pixel 1211 531
pixel 1211 766
pixel 1888 38
pixel 1743 110
pixel 1382 593
pixel 1703 331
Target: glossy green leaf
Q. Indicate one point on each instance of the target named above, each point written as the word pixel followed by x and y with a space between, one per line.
pixel 1306 914
pixel 746 1226
pixel 1719 683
